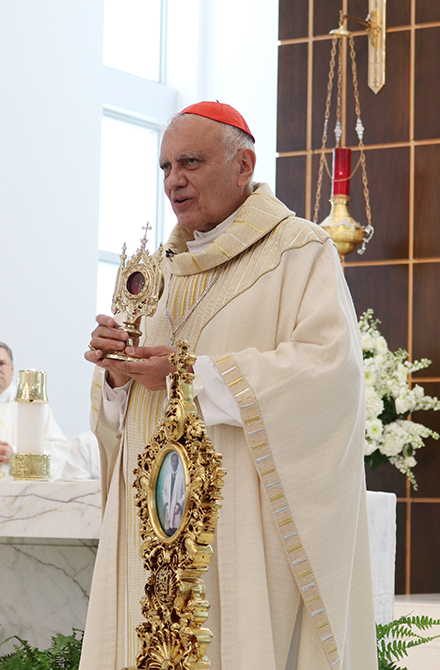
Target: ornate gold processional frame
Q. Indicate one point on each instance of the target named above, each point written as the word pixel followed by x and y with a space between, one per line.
pixel 178 483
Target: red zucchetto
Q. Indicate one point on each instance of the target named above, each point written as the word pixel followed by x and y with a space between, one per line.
pixel 217 111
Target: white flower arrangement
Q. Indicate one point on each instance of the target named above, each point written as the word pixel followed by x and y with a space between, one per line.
pixel 390 436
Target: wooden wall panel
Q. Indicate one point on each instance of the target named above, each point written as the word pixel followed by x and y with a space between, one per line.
pixel 292 97
pixel 357 8
pixel 391 106
pixel 386 478
pixel 399 276
pixel 325 16
pixel 293 19
pixel 291 182
pixel 426 323
pixel 427 11
pixel 427 201
pixel 427 89
pixel 390 215
pixel 384 288
pixel 398 12
pixel 425 547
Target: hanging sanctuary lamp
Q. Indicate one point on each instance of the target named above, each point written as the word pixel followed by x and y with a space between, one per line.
pixel 341 226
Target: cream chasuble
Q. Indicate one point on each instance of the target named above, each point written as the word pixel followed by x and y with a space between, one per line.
pixel 291 556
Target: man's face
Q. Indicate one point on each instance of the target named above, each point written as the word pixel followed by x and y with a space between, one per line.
pixel 203 187
pixel 6 370
pixel 174 462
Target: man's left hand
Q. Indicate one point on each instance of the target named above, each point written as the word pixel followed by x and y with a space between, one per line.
pixel 151 370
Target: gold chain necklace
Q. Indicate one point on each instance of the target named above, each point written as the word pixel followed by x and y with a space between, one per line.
pixel 197 302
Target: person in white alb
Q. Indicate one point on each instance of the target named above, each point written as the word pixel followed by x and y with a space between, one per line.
pixel 55 443
pixel 261 298
pixel 83 458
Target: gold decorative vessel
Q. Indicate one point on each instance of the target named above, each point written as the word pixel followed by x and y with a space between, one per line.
pixel 342 228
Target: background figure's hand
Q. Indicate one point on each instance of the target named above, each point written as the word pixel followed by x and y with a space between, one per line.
pixel 5 451
pixel 106 337
pixel 151 371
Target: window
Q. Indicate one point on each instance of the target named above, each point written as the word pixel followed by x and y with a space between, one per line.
pixel 136 108
pixel 128 189
pixel 128 196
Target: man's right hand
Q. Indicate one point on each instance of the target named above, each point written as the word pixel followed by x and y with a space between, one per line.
pixel 106 337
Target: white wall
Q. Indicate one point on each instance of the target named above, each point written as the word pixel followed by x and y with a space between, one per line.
pixel 240 68
pixel 50 113
pixel 227 50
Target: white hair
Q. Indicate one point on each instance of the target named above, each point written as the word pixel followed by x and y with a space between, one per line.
pixel 234 139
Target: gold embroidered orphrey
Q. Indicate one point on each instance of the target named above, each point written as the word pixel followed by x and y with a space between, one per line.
pixel 139 286
pixel 174 605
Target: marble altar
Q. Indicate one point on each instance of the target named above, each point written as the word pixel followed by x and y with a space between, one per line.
pixel 48 541
pixel 381 509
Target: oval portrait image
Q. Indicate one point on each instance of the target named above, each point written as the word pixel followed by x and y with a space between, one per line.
pixel 170 493
pixel 135 283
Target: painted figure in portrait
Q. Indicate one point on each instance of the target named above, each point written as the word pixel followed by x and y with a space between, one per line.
pixel 171 501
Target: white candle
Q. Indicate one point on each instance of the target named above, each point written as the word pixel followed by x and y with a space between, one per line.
pixel 30 427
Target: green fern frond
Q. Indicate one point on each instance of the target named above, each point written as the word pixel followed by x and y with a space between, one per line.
pixel 64 654
pixel 396 637
pixel 385 665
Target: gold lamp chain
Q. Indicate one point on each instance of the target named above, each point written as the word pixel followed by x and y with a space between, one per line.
pixel 322 159
pixel 369 230
pixel 338 127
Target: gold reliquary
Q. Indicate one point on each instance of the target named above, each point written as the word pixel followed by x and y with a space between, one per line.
pixel 139 286
pixel 178 483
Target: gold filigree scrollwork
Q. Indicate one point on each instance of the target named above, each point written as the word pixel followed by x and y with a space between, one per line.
pixel 178 484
